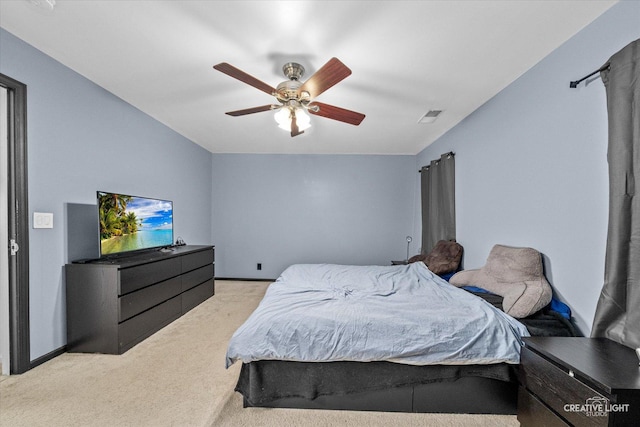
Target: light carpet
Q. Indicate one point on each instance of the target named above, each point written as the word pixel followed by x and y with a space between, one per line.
pixel 177 377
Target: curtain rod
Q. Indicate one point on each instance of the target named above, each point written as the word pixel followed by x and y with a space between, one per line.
pixel 449 154
pixel 574 84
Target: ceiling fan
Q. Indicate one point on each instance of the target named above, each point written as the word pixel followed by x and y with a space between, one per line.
pixel 296 97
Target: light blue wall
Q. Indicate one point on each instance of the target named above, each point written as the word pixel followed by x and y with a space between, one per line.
pixel 284 209
pixel 531 164
pixel 81 139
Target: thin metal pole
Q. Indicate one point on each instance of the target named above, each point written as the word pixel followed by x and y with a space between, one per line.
pixel 574 84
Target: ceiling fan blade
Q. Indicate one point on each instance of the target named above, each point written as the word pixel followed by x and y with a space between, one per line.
pixel 295 131
pixel 236 73
pixel 252 110
pixel 336 113
pixel 326 77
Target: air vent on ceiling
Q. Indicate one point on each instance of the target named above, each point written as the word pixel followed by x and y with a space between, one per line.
pixel 430 116
pixel 48 5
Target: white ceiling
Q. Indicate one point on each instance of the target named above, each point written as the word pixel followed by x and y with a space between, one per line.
pixel 407 57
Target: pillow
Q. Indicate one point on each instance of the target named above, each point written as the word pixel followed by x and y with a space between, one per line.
pixel 515 274
pixel 444 257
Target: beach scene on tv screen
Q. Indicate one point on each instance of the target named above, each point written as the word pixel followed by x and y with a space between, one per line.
pixel 129 223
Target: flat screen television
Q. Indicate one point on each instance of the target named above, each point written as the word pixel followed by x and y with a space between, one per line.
pixel 132 224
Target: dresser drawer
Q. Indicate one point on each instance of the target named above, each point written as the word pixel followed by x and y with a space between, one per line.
pixel 562 392
pixel 134 278
pixel 532 412
pixel 197 259
pixel 195 296
pixel 195 277
pixel 143 299
pixel 139 327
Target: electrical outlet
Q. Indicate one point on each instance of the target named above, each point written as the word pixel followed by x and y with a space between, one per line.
pixel 259 266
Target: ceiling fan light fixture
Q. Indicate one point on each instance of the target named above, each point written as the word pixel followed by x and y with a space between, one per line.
pixel 283 118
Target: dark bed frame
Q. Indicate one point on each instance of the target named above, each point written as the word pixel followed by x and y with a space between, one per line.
pixel 379 386
pixel 470 395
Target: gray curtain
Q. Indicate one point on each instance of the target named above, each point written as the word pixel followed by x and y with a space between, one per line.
pixel 437 182
pixel 618 312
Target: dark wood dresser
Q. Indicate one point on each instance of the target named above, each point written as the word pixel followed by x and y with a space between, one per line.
pixel 112 305
pixel 578 381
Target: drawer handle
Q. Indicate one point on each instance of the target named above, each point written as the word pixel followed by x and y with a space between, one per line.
pixel 571 374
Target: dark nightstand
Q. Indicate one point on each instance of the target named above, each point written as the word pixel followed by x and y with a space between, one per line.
pixel 578 381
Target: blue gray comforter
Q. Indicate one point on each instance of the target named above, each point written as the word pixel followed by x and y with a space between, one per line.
pixel 403 314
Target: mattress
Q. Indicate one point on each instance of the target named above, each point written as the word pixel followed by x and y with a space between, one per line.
pixel 401 314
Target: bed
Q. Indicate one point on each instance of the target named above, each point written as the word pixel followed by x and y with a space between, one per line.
pixel 386 338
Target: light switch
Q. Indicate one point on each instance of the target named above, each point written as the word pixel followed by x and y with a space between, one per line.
pixel 42 220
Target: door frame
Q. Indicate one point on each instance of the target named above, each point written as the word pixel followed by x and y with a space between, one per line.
pixel 18 222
